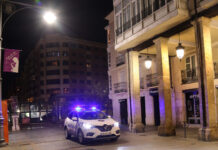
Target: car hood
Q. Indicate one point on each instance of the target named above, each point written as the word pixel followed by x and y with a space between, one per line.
pixel 99 122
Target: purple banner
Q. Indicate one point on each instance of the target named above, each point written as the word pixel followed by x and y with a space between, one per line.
pixel 11 60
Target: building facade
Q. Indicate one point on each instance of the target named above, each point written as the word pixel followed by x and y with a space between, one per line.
pixel 173 90
pixel 65 70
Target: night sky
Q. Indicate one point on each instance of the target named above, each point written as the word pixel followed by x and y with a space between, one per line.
pixel 77 18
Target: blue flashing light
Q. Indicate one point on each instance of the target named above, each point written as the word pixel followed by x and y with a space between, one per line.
pixel 78 108
pixel 94 108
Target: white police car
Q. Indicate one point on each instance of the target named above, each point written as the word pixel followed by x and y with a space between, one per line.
pixel 90 124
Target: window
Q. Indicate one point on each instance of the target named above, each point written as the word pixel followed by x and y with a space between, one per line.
pixel 146 8
pixel 52 45
pixel 53 63
pixel 89 82
pixel 53 91
pixel 81 81
pixel 65 72
pixel 81 46
pixel 53 81
pixel 52 72
pixel 110 83
pixel 88 73
pixel 41 73
pixel 73 45
pixel 109 59
pixel 42 91
pixel 41 46
pixel 65 53
pixel 65 63
pixel 66 90
pixel 41 64
pixel 74 81
pixel 126 15
pixel 66 81
pixel 135 11
pixel 190 66
pixel 41 82
pixel 73 63
pixel 41 55
pixel 53 54
pixel 65 44
pixel 73 72
pixel 81 72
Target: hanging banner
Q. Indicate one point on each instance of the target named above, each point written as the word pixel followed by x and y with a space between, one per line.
pixel 11 60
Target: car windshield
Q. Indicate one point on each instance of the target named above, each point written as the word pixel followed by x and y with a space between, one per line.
pixel 92 115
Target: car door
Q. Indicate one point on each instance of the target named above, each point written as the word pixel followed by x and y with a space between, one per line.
pixel 70 122
pixel 74 123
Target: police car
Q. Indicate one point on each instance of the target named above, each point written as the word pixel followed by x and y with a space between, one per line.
pixel 90 124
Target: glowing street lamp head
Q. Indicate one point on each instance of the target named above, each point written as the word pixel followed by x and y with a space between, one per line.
pixel 50 17
pixel 180 51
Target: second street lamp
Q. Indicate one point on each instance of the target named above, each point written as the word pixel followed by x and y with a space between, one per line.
pixel 49 17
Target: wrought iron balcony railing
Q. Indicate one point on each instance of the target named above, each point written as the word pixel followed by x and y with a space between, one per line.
pixel 120 60
pixel 120 87
pixel 152 80
pixel 136 19
pixel 189 76
pixel 118 31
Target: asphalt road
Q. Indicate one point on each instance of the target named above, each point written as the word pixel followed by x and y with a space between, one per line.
pixel 52 138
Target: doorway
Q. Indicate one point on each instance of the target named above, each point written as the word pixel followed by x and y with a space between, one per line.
pixel 192 107
pixel 143 115
pixel 123 112
pixel 154 93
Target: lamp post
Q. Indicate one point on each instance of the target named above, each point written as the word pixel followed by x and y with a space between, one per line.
pixel 49 17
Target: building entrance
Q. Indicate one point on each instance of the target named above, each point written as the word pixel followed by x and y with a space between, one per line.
pixel 143 115
pixel 123 112
pixel 154 93
pixel 192 107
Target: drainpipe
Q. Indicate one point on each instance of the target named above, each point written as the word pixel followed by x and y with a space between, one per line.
pixel 199 46
pixel 130 99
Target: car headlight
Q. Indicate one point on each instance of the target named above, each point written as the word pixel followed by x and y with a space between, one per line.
pixel 116 124
pixel 87 126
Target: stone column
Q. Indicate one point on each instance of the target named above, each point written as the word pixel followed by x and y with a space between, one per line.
pixel 206 80
pixel 166 127
pixel 134 92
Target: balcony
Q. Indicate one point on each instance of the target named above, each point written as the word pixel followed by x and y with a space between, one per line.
pixel 120 87
pixel 152 80
pixel 216 70
pixel 120 60
pixel 151 21
pixel 189 76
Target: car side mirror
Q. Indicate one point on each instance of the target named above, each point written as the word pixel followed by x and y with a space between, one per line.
pixel 74 118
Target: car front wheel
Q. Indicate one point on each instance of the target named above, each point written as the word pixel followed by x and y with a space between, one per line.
pixel 80 137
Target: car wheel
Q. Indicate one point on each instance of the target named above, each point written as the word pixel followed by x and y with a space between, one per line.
pixel 67 134
pixel 80 137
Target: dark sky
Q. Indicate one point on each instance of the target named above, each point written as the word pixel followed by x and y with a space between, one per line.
pixel 77 18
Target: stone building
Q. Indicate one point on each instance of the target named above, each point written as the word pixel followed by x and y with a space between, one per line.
pixel 151 81
pixel 62 68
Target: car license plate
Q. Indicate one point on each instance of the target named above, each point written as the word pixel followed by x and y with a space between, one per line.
pixel 105 133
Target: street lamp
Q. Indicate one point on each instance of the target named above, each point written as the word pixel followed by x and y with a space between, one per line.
pixel 49 17
pixel 180 51
pixel 148 62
